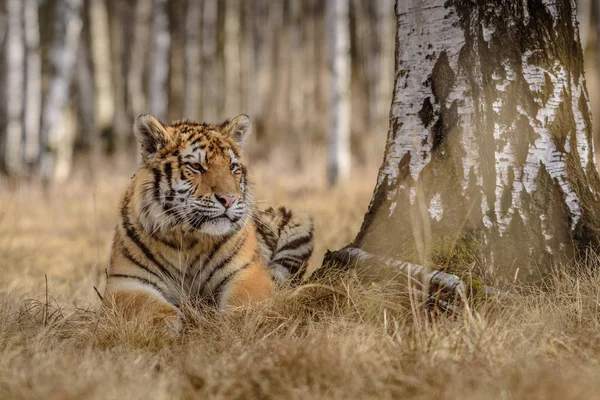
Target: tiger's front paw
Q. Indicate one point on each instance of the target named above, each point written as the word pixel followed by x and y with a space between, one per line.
pixel 173 324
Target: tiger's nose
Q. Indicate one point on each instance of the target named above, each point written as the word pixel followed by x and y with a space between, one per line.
pixel 226 200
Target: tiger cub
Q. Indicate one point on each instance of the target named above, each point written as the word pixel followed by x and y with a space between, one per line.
pixel 188 228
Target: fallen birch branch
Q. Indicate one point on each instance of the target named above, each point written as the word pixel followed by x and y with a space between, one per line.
pixel 438 288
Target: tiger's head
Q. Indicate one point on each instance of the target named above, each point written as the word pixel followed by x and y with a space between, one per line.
pixel 195 178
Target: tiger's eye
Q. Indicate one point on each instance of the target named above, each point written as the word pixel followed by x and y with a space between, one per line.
pixel 197 166
pixel 234 167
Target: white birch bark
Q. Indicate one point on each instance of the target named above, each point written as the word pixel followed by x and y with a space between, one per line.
pixel 33 83
pixel 310 119
pixel 295 112
pixel 159 67
pixel 64 134
pixel 490 139
pixel 338 33
pixel 119 19
pixel 104 104
pixel 232 53
pixel 264 46
pixel 102 64
pixel 250 55
pixel 193 60
pixel 63 51
pixel 14 84
pixel 85 99
pixel 138 58
pixel 209 61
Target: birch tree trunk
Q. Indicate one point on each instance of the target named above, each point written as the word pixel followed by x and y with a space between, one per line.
pixel 209 61
pixel 138 58
pixel 176 83
pixel 232 53
pixel 3 83
pixel 33 83
pixel 67 28
pixel 193 60
pixel 119 22
pixel 295 112
pixel 104 103
pixel 338 32
pixel 85 101
pixel 14 83
pixel 490 144
pixel 159 67
pixel 588 15
pixel 250 56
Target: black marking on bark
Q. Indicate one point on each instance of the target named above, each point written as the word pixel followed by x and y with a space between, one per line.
pixel 547 90
pixel 563 124
pixel 446 123
pixel 442 78
pixel 426 112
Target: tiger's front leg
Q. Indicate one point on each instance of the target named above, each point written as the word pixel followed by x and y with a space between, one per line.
pixel 249 285
pixel 143 303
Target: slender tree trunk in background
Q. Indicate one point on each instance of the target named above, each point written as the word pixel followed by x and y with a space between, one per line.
pixel 233 92
pixel 63 51
pixel 490 144
pixel 14 55
pixel 176 81
pixel 87 138
pixel 159 68
pixel 64 147
pixel 281 86
pixel 309 120
pixel 220 68
pixel 119 21
pixel 373 62
pixel 296 113
pixel 3 24
pixel 265 57
pixel 209 61
pixel 138 58
pixel 193 60
pixel 3 82
pixel 249 53
pixel 595 72
pixel 588 13
pixel 104 103
pixel 338 31
pixel 359 86
pixel 33 83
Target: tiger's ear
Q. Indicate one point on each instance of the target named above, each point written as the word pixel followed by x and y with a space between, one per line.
pixel 238 129
pixel 151 134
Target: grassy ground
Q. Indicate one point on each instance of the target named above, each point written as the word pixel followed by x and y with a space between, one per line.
pixel 340 338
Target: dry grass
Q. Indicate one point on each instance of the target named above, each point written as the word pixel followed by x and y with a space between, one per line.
pixel 340 338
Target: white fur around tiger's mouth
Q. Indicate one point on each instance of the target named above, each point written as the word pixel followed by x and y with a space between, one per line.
pixel 216 225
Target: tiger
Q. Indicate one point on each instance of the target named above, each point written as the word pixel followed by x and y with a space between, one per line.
pixel 189 229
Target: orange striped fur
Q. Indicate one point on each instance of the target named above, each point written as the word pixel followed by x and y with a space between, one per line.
pixel 189 230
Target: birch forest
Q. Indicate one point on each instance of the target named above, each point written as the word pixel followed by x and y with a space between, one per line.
pixel 409 209
pixel 76 73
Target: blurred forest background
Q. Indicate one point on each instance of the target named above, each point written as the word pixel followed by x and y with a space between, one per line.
pixel 76 73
